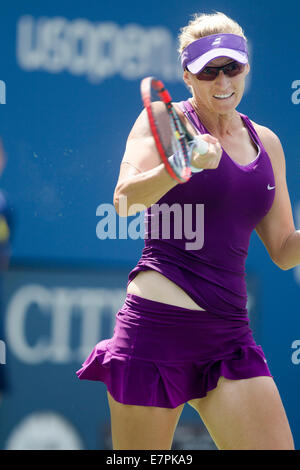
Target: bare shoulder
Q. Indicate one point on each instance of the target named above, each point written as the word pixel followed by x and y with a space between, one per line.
pixel 266 135
pixel 141 128
pixel 272 144
pixel 179 111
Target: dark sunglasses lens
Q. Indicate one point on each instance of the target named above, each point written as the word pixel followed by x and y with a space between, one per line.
pixel 233 69
pixel 210 73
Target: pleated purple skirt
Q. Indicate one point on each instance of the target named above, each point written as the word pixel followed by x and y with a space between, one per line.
pixel 162 355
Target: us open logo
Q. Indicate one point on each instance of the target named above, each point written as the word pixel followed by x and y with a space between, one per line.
pixel 97 51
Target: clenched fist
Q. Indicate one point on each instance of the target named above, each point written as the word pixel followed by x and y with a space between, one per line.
pixel 211 159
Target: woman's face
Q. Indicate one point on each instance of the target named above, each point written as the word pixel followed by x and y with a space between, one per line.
pixel 207 93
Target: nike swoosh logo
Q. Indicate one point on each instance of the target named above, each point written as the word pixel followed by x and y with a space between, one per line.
pixel 270 187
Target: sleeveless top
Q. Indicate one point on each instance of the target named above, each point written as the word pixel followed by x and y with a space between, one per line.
pixel 210 220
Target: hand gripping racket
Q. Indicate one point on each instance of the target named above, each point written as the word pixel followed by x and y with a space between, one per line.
pixel 170 135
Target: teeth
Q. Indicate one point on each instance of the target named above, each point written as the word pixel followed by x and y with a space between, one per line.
pixel 223 96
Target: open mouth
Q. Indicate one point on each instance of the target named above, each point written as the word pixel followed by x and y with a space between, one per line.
pixel 224 97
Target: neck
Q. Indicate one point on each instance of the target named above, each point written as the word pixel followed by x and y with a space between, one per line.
pixel 219 125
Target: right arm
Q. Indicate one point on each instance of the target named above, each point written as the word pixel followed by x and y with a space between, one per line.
pixel 143 178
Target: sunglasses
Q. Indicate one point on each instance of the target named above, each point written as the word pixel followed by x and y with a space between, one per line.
pixel 231 70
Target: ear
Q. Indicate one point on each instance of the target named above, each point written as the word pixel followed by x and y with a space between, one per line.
pixel 248 68
pixel 186 77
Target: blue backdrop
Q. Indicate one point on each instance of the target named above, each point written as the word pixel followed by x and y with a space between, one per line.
pixel 69 96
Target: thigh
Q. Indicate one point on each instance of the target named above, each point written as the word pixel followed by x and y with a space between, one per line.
pixel 142 427
pixel 245 414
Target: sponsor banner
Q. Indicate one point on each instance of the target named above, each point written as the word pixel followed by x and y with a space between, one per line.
pixel 52 321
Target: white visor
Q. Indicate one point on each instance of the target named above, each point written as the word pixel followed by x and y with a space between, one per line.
pixel 198 64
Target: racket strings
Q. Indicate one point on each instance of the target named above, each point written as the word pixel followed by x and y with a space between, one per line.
pixel 171 138
pixel 182 155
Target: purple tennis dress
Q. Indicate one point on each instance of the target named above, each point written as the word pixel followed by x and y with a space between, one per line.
pixel 163 355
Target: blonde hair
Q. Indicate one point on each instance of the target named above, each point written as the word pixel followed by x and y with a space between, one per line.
pixel 206 24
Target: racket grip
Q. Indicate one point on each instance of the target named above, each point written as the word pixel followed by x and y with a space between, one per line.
pixel 194 169
pixel 173 159
pixel 176 164
pixel 200 145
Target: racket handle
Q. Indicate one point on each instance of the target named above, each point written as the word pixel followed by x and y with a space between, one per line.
pixel 175 164
pixel 200 145
pixel 194 169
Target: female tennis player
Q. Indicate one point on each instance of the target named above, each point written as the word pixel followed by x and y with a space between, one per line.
pixel 183 335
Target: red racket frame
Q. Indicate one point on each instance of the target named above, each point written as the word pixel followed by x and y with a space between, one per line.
pixel 147 84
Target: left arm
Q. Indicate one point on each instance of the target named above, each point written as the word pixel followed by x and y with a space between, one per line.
pixel 277 230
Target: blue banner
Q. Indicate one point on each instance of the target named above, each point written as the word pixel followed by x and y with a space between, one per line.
pixel 53 319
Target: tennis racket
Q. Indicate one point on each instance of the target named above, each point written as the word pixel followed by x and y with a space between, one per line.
pixel 170 134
